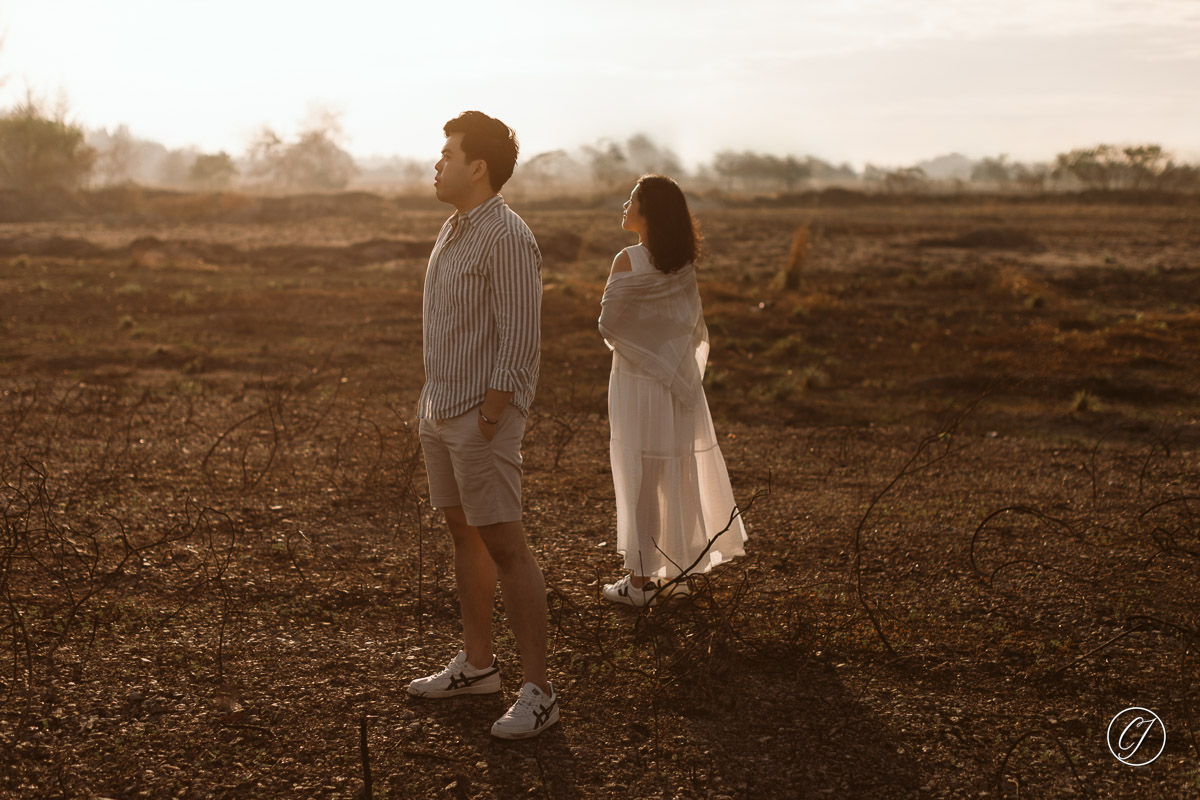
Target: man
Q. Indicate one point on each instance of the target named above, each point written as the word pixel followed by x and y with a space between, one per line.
pixel 482 335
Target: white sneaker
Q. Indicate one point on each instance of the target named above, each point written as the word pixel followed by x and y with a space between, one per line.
pixel 530 715
pixel 623 591
pixel 458 677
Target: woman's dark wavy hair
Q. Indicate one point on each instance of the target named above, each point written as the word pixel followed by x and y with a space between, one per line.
pixel 489 139
pixel 672 234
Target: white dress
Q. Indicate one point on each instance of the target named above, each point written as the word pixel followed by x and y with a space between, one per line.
pixel 672 487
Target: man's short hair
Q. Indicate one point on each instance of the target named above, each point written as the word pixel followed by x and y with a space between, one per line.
pixel 489 139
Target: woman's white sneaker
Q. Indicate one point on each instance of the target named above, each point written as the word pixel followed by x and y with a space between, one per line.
pixel 459 677
pixel 623 591
pixel 533 712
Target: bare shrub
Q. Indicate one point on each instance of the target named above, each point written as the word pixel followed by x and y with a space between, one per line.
pixel 212 171
pixel 41 153
pixel 789 276
pixel 1137 167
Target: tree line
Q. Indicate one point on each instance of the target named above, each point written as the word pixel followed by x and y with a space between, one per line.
pixel 42 151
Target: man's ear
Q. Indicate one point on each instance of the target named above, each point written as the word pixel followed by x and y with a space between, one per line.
pixel 478 169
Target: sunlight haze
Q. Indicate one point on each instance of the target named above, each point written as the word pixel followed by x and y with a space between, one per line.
pixel 858 81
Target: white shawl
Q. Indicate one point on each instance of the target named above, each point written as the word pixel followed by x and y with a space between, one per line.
pixel 655 321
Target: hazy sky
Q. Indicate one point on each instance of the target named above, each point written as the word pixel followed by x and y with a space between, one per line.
pixel 883 81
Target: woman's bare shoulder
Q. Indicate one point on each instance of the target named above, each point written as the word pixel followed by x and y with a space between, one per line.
pixel 622 263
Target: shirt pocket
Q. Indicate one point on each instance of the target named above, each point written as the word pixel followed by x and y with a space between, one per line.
pixel 466 283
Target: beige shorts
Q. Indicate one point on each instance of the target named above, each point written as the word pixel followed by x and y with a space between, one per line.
pixel 467 470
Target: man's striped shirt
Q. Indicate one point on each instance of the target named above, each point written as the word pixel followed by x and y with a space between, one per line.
pixel 481 316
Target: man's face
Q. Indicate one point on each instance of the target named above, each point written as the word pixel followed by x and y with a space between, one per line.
pixel 453 180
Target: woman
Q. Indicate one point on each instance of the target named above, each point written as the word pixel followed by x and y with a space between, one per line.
pixel 672 488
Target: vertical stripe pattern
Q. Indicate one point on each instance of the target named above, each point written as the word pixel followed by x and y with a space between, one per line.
pixel 481 313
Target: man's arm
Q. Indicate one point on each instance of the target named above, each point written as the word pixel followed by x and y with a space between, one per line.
pixel 515 271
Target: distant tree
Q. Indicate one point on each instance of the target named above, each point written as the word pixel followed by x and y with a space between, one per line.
pixel 762 170
pixel 175 168
pixel 644 155
pixel 759 172
pixel 124 158
pixel 41 153
pixel 704 174
pixel 874 174
pixel 315 162
pixel 905 179
pixel 1144 163
pixel 1093 167
pixel 729 166
pixel 1180 178
pixel 765 170
pixel 1105 166
pixel 992 170
pixel 609 165
pixel 820 170
pixel 792 170
pixel 116 156
pixel 264 153
pixel 393 173
pixel 1031 177
pixel 212 172
pixel 844 171
pixel 753 171
pixel 553 171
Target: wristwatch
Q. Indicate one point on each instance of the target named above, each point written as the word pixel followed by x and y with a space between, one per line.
pixel 485 418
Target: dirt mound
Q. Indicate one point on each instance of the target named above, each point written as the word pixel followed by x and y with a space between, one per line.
pixel 152 253
pixel 16 206
pixel 290 208
pixel 54 247
pixel 238 208
pixel 361 253
pixel 834 197
pixel 1137 197
pixel 987 239
pixel 146 205
pixel 149 252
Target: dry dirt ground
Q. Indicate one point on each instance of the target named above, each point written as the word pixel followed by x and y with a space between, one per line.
pixel 967 448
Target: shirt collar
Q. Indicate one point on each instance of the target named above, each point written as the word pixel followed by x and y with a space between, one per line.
pixel 478 211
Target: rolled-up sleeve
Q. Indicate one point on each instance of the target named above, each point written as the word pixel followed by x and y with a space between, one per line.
pixel 515 270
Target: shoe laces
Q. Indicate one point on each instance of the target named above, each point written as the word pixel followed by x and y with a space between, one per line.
pixel 453 668
pixel 528 700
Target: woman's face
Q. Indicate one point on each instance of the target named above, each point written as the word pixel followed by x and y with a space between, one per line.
pixel 632 219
